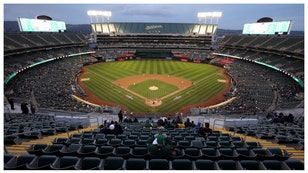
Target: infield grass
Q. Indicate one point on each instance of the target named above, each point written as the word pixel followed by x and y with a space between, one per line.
pixel 205 77
pixel 143 88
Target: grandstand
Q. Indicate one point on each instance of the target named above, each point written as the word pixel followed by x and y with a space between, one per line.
pixel 251 132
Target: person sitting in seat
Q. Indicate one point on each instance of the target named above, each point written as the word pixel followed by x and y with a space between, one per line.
pixel 205 130
pixel 159 147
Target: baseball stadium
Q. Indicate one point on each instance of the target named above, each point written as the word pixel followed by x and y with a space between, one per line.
pixel 67 94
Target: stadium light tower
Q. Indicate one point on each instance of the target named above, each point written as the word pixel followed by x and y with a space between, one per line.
pixel 209 15
pixel 97 14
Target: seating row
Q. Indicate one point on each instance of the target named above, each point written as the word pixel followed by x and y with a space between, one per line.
pixel 191 153
pixel 51 162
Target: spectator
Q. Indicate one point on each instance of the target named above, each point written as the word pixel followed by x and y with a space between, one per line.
pixel 135 120
pixel 160 122
pixel 24 108
pixel 11 101
pixel 117 128
pixel 159 148
pixel 120 116
pixel 188 123
pixel 205 130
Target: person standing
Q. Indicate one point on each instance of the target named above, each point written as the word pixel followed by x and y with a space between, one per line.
pixel 120 116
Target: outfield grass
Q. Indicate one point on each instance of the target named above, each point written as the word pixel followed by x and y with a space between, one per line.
pixel 204 77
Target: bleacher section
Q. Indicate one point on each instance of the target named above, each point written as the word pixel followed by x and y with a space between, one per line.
pixel 88 148
pixel 25 42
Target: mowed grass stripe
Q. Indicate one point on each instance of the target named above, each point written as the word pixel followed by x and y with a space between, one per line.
pixel 205 77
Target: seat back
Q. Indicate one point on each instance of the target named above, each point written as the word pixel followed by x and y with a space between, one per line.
pixel 113 163
pixel 227 164
pixel 181 164
pixel 67 162
pixel 273 165
pixel 88 163
pixel 135 164
pixel 205 164
pixel 159 164
pixel 295 164
pixel 45 160
pixel 250 164
pixel 209 151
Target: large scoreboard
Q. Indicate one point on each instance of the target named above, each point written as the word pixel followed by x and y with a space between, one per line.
pixel 39 25
pixel 268 28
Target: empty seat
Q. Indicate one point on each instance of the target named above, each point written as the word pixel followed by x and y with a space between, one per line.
pixel 189 138
pixel 19 162
pixel 225 144
pixel 8 157
pixel 178 138
pixel 122 151
pixel 279 154
pixel 212 138
pixel 262 154
pixel 235 138
pixel 295 164
pixel 101 141
pixel 205 165
pixel 88 141
pixel 60 141
pixel 252 144
pixel 64 163
pixel 70 150
pixel 239 144
pixel 210 153
pixel 86 151
pixel 192 153
pixel 42 162
pixel 121 136
pixel 183 144
pixel 275 165
pixel 141 143
pixel 104 151
pixel 245 154
pixel 228 165
pixel 141 152
pixel 135 164
pixel 89 163
pixel 228 153
pixel 53 149
pixel 212 144
pixel 223 138
pixel 75 140
pixel 113 163
pixel 181 164
pixel 115 142
pixel 129 142
pixel 100 136
pixel 159 164
pixel 197 144
pixel 110 136
pixel 251 165
pixel 133 137
pixel 36 149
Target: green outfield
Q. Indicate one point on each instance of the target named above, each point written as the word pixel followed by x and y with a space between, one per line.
pixel 206 79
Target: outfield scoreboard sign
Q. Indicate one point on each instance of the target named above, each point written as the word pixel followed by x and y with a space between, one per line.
pixel 268 28
pixel 39 25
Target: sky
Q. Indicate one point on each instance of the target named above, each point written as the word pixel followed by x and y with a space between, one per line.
pixel 234 15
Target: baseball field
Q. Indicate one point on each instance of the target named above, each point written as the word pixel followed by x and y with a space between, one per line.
pixel 161 86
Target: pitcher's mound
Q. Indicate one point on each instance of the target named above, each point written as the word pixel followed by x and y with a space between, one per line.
pixel 153 88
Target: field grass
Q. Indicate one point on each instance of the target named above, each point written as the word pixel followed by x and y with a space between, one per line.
pixel 205 78
pixel 163 88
